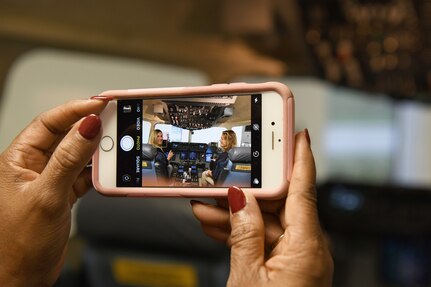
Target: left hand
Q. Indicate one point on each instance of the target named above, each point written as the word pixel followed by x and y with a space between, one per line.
pixel 170 155
pixel 42 174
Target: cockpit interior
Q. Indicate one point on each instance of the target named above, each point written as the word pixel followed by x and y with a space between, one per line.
pixel 192 130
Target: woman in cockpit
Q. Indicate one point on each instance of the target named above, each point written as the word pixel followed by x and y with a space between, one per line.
pixel 227 141
pixel 156 140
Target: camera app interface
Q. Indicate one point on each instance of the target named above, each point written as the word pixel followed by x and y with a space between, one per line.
pixel 208 141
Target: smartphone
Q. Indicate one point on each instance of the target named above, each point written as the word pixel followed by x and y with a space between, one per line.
pixel 196 141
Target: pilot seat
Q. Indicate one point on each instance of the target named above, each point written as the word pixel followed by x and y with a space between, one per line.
pixel 238 169
pixel 149 173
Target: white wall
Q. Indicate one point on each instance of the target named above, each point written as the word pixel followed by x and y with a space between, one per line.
pixel 413 163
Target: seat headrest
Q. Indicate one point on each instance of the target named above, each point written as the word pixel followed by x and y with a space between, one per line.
pixel 240 154
pixel 148 152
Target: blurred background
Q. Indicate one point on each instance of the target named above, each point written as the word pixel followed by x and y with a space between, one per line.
pixel 361 74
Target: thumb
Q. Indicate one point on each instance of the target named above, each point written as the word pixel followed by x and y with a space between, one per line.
pixel 72 154
pixel 247 235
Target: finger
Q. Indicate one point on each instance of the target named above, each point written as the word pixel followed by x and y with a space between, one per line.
pixel 271 206
pixel 216 233
pixel 247 235
pixel 273 229
pixel 222 202
pixel 301 211
pixel 211 215
pixel 282 218
pixel 43 131
pixel 83 183
pixel 72 154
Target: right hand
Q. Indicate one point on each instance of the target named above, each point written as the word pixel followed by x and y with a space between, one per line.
pixel 300 258
pixel 170 155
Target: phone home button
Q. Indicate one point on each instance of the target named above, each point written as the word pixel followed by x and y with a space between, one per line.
pixel 107 143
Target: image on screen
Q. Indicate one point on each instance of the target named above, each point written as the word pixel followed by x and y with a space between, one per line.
pixel 208 157
pixel 183 155
pixel 189 142
pixel 192 155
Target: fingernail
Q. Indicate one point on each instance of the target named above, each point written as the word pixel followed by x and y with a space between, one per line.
pixel 307 136
pixel 236 199
pixel 102 98
pixel 90 127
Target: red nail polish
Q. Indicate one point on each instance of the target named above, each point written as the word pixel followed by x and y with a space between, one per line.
pixel 236 199
pixel 307 136
pixel 90 127
pixel 102 98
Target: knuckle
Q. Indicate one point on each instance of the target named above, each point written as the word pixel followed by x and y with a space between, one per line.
pixel 43 118
pixel 48 204
pixel 244 232
pixel 307 193
pixel 65 158
pixel 322 262
pixel 310 187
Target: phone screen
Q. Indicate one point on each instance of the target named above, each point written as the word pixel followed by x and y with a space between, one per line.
pixel 202 141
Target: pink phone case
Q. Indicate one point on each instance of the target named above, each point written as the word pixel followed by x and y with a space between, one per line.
pixel 233 88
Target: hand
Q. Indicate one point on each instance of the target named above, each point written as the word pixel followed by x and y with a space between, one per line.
pixel 42 174
pixel 170 155
pixel 258 257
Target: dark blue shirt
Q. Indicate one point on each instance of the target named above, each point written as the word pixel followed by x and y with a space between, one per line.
pixel 162 162
pixel 220 164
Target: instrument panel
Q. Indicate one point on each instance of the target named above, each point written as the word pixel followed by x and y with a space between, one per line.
pixel 190 160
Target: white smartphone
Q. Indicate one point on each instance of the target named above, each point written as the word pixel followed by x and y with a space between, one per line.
pixel 196 141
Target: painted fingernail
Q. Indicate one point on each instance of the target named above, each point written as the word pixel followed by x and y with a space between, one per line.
pixel 236 199
pixel 307 136
pixel 90 127
pixel 102 98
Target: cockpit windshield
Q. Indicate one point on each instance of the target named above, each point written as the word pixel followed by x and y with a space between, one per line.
pixel 175 134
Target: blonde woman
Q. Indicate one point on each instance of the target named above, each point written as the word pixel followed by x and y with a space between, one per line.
pixel 156 140
pixel 227 141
